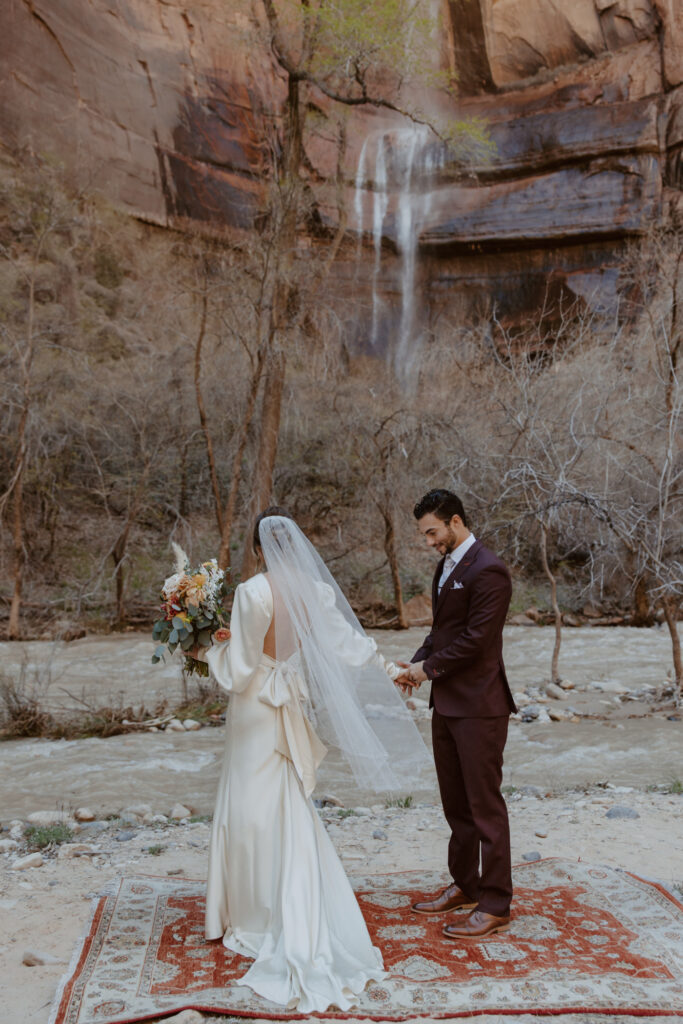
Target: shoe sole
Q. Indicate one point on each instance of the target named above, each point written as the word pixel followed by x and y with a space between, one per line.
pixel 451 910
pixel 476 938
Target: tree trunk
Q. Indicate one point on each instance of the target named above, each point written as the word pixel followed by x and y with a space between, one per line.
pixel 642 610
pixel 670 606
pixel 20 465
pixel 229 512
pixel 218 505
pixel 390 551
pixel 262 487
pixel 554 665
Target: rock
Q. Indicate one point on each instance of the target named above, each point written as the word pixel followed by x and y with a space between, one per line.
pixel 158 819
pixel 567 684
pixel 125 835
pixel 555 691
pixel 531 791
pixel 84 814
pixel 364 812
pixel 179 811
pixel 530 712
pixel 417 704
pixel 67 851
pixel 49 818
pixel 621 812
pixel 556 714
pixel 534 855
pixel 175 725
pixel 32 958
pixel 191 724
pixel 570 620
pixel 16 831
pixel 378 834
pixel 8 844
pixel 186 1017
pixel 591 612
pixel 520 620
pixel 418 610
pixel 541 834
pixel 32 860
pixel 135 814
pixel 329 800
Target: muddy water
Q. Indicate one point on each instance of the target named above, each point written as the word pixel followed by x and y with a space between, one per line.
pixel 163 768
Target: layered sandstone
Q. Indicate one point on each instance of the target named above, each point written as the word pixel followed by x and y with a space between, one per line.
pixel 171 109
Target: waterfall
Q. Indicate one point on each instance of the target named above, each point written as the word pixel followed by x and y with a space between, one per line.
pixel 405 162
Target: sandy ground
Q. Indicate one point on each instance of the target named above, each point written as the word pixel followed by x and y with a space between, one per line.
pixel 45 908
pixel 562 779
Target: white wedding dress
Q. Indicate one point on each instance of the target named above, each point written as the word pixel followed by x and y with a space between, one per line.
pixel 277 891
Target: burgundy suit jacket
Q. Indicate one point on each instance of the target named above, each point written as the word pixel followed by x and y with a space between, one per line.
pixel 463 654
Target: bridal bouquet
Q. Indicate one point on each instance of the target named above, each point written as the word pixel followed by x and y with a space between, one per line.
pixel 192 610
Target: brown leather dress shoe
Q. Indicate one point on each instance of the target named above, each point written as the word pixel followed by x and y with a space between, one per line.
pixel 477 925
pixel 451 898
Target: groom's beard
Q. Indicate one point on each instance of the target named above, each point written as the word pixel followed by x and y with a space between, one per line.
pixel 449 544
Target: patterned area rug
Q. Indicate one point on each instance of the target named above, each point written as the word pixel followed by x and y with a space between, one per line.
pixel 583 939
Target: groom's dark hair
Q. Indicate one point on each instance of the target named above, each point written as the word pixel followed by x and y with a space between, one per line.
pixel 441 503
pixel 272 510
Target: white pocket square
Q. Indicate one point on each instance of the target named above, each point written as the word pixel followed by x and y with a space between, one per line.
pixel 457 585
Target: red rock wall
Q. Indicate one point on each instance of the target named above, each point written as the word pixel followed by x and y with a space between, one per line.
pixel 167 107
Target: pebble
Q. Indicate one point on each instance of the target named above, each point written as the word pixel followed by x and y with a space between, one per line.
pixel 175 725
pixel 622 812
pixel 179 811
pixel 541 834
pixel 364 812
pixel 530 712
pixel 32 958
pixel 534 855
pixel 378 834
pixel 567 684
pixel 84 814
pixel 49 817
pixel 32 860
pixel 186 1017
pixel 8 844
pixel 125 835
pixel 158 819
pixel 16 832
pixel 69 850
pixel 556 714
pixel 417 704
pixel 191 725
pixel 552 690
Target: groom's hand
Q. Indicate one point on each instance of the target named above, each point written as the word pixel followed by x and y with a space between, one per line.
pixel 417 673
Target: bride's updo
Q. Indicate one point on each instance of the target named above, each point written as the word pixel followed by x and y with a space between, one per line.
pixel 272 510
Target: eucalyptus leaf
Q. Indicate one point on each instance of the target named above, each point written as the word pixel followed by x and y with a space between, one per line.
pixel 173 637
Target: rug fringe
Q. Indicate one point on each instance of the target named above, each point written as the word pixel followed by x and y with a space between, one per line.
pixel 109 889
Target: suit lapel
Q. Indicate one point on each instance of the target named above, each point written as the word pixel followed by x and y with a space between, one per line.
pixel 461 568
pixel 435 585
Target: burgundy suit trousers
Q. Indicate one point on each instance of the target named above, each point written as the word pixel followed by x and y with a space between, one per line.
pixel 469 765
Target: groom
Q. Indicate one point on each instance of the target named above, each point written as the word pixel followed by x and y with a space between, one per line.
pixel 463 658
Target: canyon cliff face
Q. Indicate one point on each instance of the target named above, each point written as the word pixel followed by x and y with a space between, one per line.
pixel 171 110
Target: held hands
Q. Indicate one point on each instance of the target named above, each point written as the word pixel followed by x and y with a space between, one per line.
pixel 411 678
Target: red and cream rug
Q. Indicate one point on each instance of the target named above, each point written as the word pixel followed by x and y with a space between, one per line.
pixel 583 939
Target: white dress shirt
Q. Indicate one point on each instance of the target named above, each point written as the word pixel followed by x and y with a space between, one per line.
pixel 454 557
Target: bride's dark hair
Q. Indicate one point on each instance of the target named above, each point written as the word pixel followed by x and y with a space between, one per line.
pixel 272 510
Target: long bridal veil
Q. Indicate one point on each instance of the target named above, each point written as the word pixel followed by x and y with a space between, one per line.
pixel 353 703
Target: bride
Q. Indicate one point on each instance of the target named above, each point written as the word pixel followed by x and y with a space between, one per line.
pixel 299 667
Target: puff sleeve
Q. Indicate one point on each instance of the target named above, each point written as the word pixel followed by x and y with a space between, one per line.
pixel 352 647
pixel 234 662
